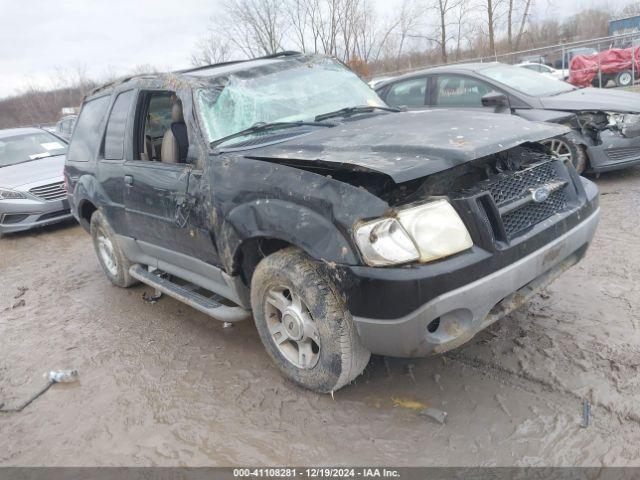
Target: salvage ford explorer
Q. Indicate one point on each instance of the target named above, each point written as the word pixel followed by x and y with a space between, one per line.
pixel 283 188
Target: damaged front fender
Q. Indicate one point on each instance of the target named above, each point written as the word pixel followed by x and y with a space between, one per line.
pixel 291 223
pixel 258 199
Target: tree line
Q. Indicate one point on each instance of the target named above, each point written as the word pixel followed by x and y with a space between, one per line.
pixel 416 33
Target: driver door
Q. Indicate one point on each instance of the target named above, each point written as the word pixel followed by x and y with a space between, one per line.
pixel 158 194
pixel 459 91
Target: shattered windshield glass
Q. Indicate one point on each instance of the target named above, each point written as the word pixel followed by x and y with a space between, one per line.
pixel 297 91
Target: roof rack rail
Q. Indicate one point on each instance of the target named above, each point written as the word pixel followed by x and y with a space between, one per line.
pixel 285 53
pixel 117 81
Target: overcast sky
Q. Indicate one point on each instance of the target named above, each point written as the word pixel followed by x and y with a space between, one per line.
pixel 39 38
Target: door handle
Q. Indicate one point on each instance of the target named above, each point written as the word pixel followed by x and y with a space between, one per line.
pixel 128 180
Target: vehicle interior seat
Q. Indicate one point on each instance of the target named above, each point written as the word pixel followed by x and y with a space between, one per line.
pixel 175 142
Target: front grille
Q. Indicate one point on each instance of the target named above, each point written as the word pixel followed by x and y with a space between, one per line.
pixel 533 213
pixel 622 154
pixel 52 191
pixel 511 186
pixel 512 195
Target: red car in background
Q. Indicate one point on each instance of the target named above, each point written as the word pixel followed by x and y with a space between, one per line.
pixel 617 64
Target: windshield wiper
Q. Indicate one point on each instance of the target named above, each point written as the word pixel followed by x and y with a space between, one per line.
pixel 345 112
pixel 265 127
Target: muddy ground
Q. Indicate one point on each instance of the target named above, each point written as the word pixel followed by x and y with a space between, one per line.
pixel 161 384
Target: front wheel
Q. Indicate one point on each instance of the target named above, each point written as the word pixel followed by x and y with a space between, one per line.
pixel 303 322
pixel 566 148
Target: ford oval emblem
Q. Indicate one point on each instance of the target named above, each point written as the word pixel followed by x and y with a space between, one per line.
pixel 540 194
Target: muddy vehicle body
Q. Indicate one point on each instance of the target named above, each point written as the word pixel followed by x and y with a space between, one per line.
pixel 343 228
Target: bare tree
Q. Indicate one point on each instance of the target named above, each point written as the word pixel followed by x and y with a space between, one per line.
pixel 631 10
pixel 410 18
pixel 465 29
pixel 444 9
pixel 209 50
pixel 255 27
pixel 523 21
pixel 491 18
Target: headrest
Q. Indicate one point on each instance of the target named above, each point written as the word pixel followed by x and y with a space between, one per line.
pixel 176 112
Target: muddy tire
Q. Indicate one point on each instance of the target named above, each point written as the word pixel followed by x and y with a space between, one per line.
pixel 303 322
pixel 112 260
pixel 565 147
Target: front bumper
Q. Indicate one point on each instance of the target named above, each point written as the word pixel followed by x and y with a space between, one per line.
pixel 19 215
pixel 614 152
pixel 459 314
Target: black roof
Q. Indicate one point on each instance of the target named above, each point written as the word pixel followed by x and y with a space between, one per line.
pixel 222 68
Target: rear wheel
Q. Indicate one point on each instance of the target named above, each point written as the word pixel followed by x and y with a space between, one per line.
pixel 303 322
pixel 624 79
pixel 566 148
pixel 112 259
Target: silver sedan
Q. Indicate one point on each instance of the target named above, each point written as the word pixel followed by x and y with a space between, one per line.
pixel 32 188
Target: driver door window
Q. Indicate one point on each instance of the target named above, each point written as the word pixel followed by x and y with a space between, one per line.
pixel 459 91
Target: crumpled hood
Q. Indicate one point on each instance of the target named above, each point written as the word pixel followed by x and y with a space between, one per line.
pixel 609 100
pixel 411 145
pixel 35 171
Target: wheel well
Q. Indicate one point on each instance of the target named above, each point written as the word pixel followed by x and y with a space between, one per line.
pixel 251 251
pixel 85 211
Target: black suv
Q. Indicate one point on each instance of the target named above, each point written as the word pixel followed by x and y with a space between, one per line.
pixel 283 188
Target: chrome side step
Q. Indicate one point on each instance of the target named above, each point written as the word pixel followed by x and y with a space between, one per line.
pixel 186 295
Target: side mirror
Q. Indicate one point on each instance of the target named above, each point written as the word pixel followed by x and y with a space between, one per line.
pixel 498 101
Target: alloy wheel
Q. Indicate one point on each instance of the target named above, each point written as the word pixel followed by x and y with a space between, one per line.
pixel 292 328
pixel 558 147
pixel 107 253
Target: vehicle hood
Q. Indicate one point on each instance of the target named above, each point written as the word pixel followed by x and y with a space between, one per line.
pixel 35 171
pixel 409 145
pixel 594 99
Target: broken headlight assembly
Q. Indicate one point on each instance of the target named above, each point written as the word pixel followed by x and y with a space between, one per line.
pixel 627 123
pixel 8 194
pixel 423 233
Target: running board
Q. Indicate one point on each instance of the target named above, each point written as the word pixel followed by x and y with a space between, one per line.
pixel 206 305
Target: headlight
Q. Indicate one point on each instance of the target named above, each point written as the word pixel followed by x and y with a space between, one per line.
pixel 624 122
pixel 423 233
pixel 6 194
pixel 384 242
pixel 437 230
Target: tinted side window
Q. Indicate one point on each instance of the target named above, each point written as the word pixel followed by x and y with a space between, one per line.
pixel 114 138
pixel 457 91
pixel 87 134
pixel 410 93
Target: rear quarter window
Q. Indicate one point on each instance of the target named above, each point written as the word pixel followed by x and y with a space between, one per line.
pixel 88 134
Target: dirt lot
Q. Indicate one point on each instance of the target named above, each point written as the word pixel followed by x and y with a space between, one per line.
pixel 161 384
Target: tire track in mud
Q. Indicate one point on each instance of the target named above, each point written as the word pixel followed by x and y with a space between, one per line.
pixel 499 371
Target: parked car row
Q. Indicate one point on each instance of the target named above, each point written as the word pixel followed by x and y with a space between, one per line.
pixel 345 221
